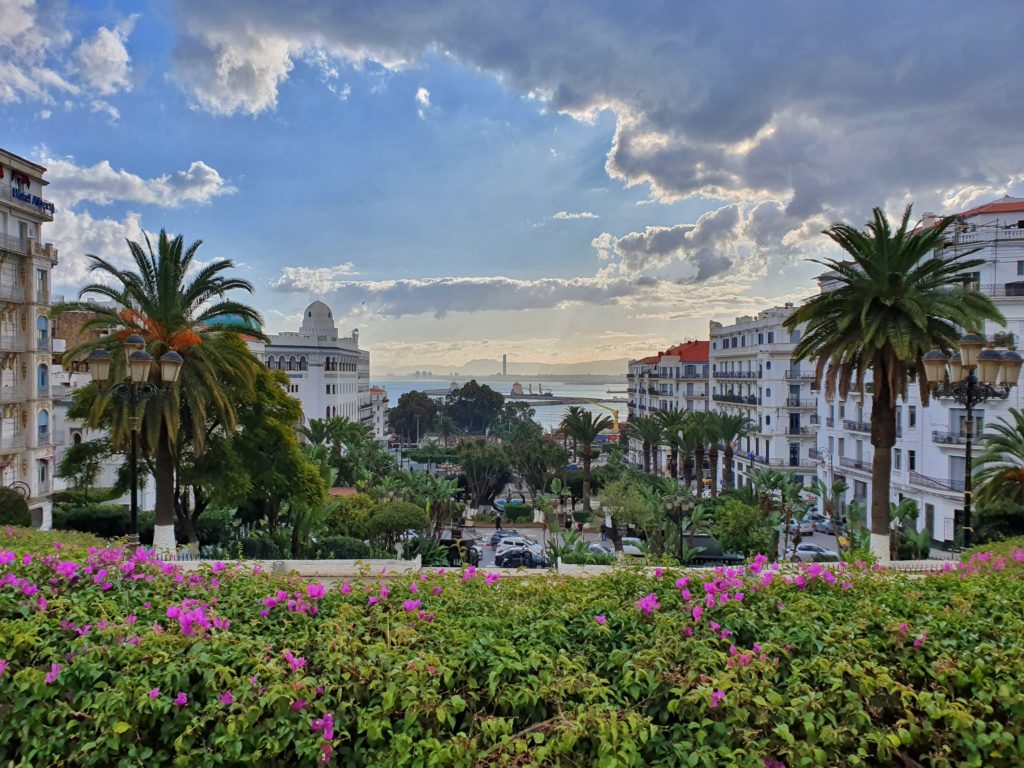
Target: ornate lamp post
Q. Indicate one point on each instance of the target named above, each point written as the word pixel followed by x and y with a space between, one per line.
pixel 135 388
pixel 971 377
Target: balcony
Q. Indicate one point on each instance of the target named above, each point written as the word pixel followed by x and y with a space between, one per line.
pixel 740 399
pixel 830 422
pixel 737 375
pixel 14 393
pixel 851 425
pixel 756 459
pixel 862 464
pixel 948 438
pixel 12 292
pixel 950 485
pixel 798 376
pixel 13 243
pixel 12 344
pixel 796 402
pixel 814 419
pixel 9 442
pixel 797 431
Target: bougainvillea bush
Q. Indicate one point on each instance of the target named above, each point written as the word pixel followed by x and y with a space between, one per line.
pixel 112 659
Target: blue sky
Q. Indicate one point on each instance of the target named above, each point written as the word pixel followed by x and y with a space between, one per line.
pixel 461 179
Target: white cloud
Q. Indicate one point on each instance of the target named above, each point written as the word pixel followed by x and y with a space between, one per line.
pixel 80 234
pixel 569 216
pixel 30 41
pixel 423 99
pixel 45 114
pixel 99 105
pixel 103 61
pixel 101 183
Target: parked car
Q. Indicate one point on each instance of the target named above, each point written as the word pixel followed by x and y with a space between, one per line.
pixel 633 546
pixel 826 525
pixel 805 526
pixel 517 540
pixel 461 544
pixel 809 552
pixel 599 549
pixel 522 557
pixel 497 536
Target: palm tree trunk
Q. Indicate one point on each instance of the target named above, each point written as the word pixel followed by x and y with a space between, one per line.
pixel 728 479
pixel 883 437
pixel 688 469
pixel 586 478
pixel 647 458
pixel 673 463
pixel 698 469
pixel 713 462
pixel 163 475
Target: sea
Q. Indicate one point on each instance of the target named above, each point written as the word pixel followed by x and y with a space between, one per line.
pixel 548 416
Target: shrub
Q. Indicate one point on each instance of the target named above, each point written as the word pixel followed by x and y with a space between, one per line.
pixel 349 516
pixel 341 548
pixel 742 528
pixel 866 669
pixel 13 508
pixel 391 518
pixel 998 519
pixel 518 513
pixel 108 521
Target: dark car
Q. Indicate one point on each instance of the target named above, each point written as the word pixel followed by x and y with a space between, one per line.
pixel 522 557
pixel 463 546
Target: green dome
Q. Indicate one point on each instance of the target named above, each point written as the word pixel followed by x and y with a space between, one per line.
pixel 237 321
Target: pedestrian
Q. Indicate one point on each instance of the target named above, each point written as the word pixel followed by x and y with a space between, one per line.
pixel 604 532
pixel 497 522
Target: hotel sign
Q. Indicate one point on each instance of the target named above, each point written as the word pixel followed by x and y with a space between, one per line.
pixel 38 202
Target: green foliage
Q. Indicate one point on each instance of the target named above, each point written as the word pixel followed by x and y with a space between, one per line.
pixel 108 521
pixel 13 508
pixel 742 528
pixel 27 540
pixel 349 516
pixel 402 415
pixel 998 519
pixel 999 470
pixel 487 470
pixel 389 519
pixel 473 406
pixel 517 512
pixel 1004 548
pixel 513 673
pixel 82 464
pixel 341 548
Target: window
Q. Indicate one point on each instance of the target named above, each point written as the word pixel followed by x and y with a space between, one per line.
pixel 44 473
pixel 43 377
pixel 768 392
pixel 760 336
pixel 771 337
pixel 43 422
pixel 328 390
pixel 912 416
pixel 43 332
pixel 768 365
pixel 897 458
pixel 1020 267
pixel 767 421
pixel 912 461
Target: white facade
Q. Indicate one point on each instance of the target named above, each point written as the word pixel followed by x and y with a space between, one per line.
pixel 329 374
pixel 676 379
pixel 379 404
pixel 753 373
pixel 929 458
pixel 28 438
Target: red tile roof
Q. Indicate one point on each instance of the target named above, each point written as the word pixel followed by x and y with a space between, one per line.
pixel 377 390
pixel 1005 204
pixel 689 352
pixel 652 360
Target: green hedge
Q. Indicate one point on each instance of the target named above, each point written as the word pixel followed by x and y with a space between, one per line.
pixel 856 668
pixel 14 508
pixel 341 548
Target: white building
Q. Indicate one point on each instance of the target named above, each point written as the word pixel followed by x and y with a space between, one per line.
pixel 27 435
pixel 929 458
pixel 753 373
pixel 379 404
pixel 676 379
pixel 328 373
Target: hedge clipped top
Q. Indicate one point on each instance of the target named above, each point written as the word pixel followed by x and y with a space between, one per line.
pixel 133 662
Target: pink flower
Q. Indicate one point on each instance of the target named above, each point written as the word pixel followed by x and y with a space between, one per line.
pixel 920 641
pixel 411 605
pixel 4 663
pixel 716 698
pixel 181 699
pixel 54 673
pixel 648 603
pixel 682 582
pixel 218 567
pixel 437 590
pixel 298 705
pixel 659 572
pixel 26 560
pixel 491 578
pixel 847 584
pixel 154 693
pixel 372 600
pixel 384 591
pixel 413 587
pixel 697 612
pixel 903 628
pixel 226 698
pixel 770 763
pixel 346 588
pixel 254 680
pixel 314 591
pixel 601 618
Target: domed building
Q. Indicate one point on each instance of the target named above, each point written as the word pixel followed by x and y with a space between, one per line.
pixel 328 373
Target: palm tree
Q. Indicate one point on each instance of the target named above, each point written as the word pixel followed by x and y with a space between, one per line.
pixel 583 427
pixel 904 520
pixel 896 296
pixel 685 443
pixel 672 424
pixel 174 304
pixel 1000 467
pixel 731 427
pixel 572 412
pixel 697 428
pixel 447 428
pixel 648 431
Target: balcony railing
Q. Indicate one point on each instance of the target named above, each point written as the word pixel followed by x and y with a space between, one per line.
pixel 15 393
pixel 800 431
pixel 13 243
pixel 814 419
pixel 830 422
pixel 852 425
pixel 741 399
pixel 12 344
pixel 792 461
pixel 796 402
pixel 948 438
pixel 845 461
pixel 737 375
pixel 9 442
pixel 12 292
pixel 953 485
pixel 799 376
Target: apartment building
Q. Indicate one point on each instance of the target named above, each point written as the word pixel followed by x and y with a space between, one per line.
pixel 328 373
pixel 929 458
pixel 676 379
pixel 28 439
pixel 753 373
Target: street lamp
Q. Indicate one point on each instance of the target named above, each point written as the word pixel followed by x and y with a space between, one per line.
pixel 989 374
pixel 133 389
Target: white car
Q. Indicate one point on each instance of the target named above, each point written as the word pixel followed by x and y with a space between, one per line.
pixel 510 542
pixel 809 553
pixel 633 546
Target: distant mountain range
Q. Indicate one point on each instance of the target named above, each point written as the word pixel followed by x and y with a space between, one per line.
pixel 489 367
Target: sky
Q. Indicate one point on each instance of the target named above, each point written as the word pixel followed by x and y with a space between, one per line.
pixel 556 181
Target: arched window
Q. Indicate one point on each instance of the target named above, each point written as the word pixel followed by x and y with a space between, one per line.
pixel 303 365
pixel 327 413
pixel 293 364
pixel 271 362
pixel 43 376
pixel 43 421
pixel 43 331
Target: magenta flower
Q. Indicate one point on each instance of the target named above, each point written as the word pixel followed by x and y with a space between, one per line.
pixel 437 590
pixel 648 603
pixel 314 591
pixel 770 763
pixel 411 605
pixel 920 641
pixel 226 698
pixel 659 572
pixel 372 600
pixel 413 587
pixel 904 628
pixel 54 673
pixel 716 698
pixel 346 588
pixel 697 612
pixel 384 591
pixel 219 566
pixel 491 578
pixel 601 618
pixel 298 705
pixel 181 699
pixel 154 693
pixel 4 664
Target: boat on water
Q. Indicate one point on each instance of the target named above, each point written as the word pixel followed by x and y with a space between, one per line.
pixel 518 391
